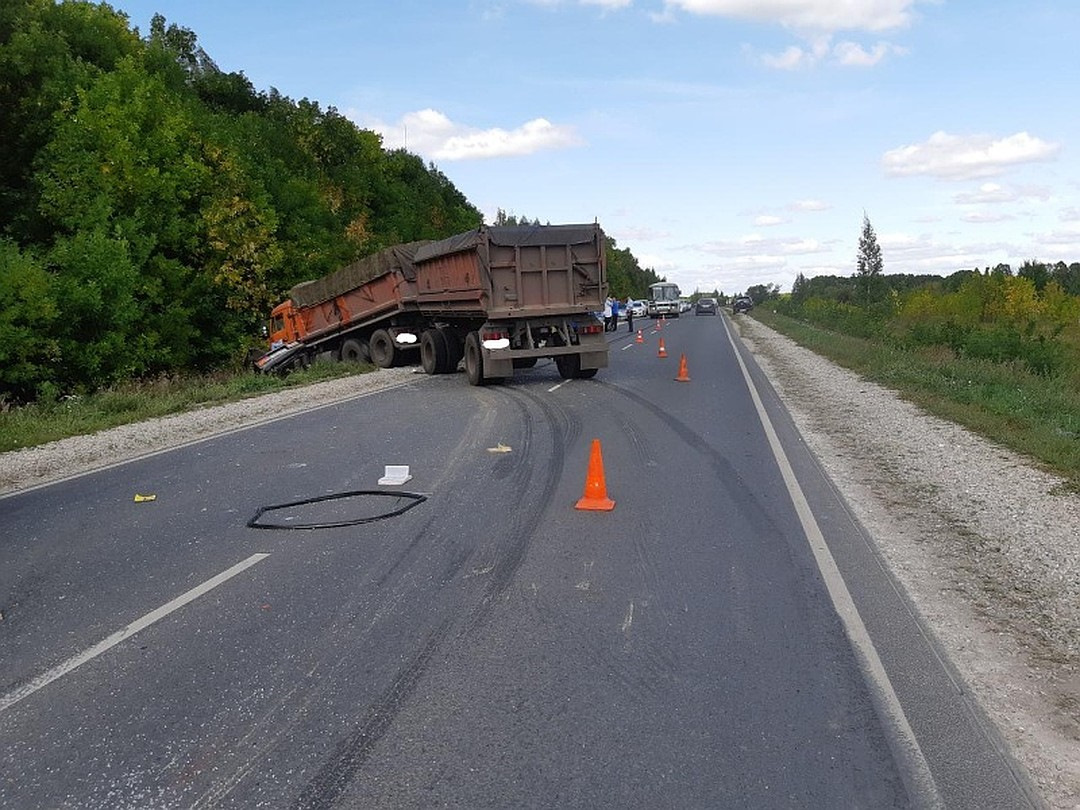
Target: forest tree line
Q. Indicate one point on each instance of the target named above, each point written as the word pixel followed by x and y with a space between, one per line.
pixel 153 207
pixel 1029 317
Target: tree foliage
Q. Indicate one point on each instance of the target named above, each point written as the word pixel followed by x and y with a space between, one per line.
pixel 152 206
pixel 869 264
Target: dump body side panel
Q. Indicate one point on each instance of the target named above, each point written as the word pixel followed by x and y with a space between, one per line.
pixel 514 272
pixel 376 285
pixel 380 296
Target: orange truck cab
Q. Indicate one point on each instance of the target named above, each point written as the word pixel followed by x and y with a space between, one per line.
pixel 285 325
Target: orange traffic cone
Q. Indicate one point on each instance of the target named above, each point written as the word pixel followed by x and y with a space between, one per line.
pixel 595 496
pixel 640 338
pixel 662 351
pixel 684 375
pixel 660 323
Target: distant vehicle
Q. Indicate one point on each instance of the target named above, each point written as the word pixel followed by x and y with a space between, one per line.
pixel 705 306
pixel 638 308
pixel 663 299
pixel 742 303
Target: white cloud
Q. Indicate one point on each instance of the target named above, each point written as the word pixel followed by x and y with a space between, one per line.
pixel 990 193
pixel 820 49
pixel 768 220
pixel 905 253
pixel 986 217
pixel 851 54
pixel 791 59
pixel 642 233
pixel 809 205
pixel 606 5
pixel 756 246
pixel 1070 215
pixel 1058 238
pixel 809 15
pixel 432 134
pixel 956 157
pixel 538 135
pixel 662 265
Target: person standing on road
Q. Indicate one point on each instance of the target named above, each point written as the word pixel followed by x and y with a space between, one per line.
pixel 614 314
pixel 630 313
pixel 607 314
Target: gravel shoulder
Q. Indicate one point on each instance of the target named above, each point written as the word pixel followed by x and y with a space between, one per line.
pixel 986 545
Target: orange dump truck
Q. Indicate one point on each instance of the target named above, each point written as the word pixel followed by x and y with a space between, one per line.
pixel 498 298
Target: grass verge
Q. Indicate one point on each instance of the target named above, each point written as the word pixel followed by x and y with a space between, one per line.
pixel 43 422
pixel 1038 417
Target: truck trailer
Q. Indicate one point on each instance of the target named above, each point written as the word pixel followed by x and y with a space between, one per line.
pixel 497 297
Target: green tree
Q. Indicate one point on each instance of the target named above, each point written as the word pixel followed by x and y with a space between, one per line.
pixel 799 290
pixel 763 292
pixel 48 51
pixel 869 264
pixel 28 311
pixel 626 277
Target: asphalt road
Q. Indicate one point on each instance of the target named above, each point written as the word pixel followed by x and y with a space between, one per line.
pixel 490 645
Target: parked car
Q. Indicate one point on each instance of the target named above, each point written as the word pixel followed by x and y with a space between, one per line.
pixel 705 306
pixel 639 309
pixel 742 303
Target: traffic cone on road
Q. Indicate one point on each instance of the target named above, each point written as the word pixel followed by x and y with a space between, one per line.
pixel 640 337
pixel 684 375
pixel 662 352
pixel 660 323
pixel 595 497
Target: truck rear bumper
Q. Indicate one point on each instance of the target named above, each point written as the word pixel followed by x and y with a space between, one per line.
pixel 592 349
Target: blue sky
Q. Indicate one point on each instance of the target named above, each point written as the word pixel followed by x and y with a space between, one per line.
pixel 726 143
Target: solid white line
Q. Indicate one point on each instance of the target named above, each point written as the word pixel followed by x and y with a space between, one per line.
pixel 43 680
pixel 557 387
pixel 915 770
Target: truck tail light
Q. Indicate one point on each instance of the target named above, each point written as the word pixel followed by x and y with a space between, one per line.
pixel 495 339
pixel 592 329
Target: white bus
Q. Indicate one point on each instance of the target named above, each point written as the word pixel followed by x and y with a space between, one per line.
pixel 664 299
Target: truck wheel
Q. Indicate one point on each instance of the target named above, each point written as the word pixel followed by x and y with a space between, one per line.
pixel 586 373
pixel 433 352
pixel 474 360
pixel 569 365
pixel 383 352
pixel 454 350
pixel 354 351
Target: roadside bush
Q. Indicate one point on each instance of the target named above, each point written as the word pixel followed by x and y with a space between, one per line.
pixel 839 317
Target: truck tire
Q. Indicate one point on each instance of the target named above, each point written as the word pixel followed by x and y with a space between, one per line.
pixel 474 360
pixel 433 352
pixel 454 348
pixel 586 373
pixel 354 351
pixel 569 365
pixel 382 349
